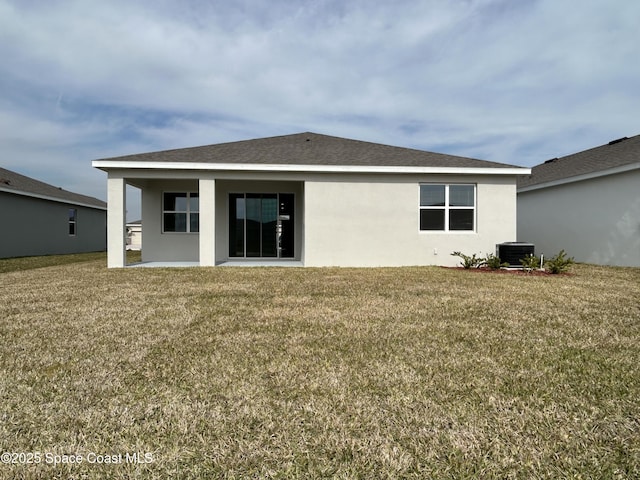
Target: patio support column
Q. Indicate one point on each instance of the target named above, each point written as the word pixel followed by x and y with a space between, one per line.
pixel 116 221
pixel 207 189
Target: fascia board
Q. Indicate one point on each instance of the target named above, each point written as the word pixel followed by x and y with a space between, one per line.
pixel 580 178
pixel 51 199
pixel 248 167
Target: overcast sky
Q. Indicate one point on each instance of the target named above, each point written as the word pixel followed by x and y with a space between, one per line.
pixel 513 81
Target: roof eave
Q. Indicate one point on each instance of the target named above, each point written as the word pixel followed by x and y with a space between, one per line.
pixel 580 178
pixel 51 199
pixel 106 165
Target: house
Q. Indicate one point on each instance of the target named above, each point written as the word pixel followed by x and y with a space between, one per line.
pixel 587 203
pixel 40 219
pixel 312 200
pixel 134 235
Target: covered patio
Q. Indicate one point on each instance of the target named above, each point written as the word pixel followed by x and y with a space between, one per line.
pixel 194 219
pixel 231 263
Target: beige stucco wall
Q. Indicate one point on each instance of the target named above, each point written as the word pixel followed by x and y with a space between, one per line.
pixel 374 221
pixel 595 221
pixel 167 247
pixel 341 219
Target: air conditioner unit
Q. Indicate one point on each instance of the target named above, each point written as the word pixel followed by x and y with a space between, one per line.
pixel 512 252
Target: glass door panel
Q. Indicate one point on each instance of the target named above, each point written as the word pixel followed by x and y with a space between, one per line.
pixel 253 225
pixel 269 222
pixel 261 225
pixel 236 224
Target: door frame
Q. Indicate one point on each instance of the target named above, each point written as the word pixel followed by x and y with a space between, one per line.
pixel 279 228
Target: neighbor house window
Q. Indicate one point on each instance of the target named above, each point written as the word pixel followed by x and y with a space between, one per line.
pixel 180 212
pixel 445 208
pixel 73 215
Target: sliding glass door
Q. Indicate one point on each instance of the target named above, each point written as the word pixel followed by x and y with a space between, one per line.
pixel 261 225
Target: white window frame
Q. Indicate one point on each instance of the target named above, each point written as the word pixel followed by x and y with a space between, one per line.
pixel 188 211
pixel 447 208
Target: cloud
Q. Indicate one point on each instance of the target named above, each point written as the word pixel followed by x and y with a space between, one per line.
pixel 517 82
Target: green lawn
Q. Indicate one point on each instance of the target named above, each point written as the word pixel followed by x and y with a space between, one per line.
pixel 318 373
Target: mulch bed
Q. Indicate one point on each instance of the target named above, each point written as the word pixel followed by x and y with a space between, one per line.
pixel 511 271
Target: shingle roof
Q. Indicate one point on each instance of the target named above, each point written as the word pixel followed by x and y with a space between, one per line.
pixel 310 149
pixel 617 153
pixel 14 182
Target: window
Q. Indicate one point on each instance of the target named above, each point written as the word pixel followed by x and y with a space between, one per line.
pixel 446 208
pixel 73 215
pixel 180 212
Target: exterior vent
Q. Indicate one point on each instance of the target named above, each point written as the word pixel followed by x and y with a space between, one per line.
pixel 512 252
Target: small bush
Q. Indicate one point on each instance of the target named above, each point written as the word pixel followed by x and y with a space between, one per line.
pixel 494 263
pixel 559 263
pixel 469 261
pixel 530 263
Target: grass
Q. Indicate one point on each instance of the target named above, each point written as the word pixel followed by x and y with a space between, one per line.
pixel 28 263
pixel 321 373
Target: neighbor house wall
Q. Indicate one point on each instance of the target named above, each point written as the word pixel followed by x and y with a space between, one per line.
pixel 33 226
pixel 134 234
pixel 595 221
pixel 374 220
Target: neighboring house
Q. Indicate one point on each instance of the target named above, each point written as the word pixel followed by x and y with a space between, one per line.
pixel 40 219
pixel 312 200
pixel 134 235
pixel 587 203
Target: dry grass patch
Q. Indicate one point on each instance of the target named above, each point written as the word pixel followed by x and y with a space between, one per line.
pixel 28 263
pixel 322 373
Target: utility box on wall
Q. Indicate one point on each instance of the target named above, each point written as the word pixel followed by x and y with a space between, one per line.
pixel 513 252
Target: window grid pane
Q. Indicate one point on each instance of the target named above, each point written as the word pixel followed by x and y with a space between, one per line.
pixel 432 219
pixel 432 195
pixel 460 219
pixel 175 202
pixel 194 222
pixel 461 196
pixel 175 222
pixel 194 203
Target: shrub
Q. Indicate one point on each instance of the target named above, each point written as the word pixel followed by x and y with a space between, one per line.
pixel 493 262
pixel 469 261
pixel 559 263
pixel 530 263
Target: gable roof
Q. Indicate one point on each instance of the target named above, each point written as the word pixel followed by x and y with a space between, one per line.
pixel 616 156
pixel 13 182
pixel 303 152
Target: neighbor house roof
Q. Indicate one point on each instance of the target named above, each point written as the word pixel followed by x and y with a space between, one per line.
pixel 617 156
pixel 13 182
pixel 302 152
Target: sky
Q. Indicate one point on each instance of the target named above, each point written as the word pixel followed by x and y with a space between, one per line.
pixel 512 81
